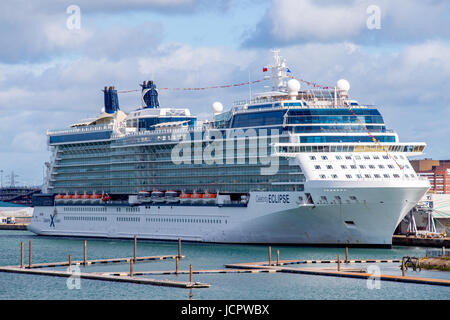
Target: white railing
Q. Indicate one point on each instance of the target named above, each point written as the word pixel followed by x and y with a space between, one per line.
pixel 82 129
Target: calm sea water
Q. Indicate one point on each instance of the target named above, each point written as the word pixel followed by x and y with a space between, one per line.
pixel 203 256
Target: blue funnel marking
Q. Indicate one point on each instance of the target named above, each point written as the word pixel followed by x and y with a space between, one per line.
pixel 111 100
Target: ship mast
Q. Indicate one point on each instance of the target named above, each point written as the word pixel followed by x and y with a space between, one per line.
pixel 279 73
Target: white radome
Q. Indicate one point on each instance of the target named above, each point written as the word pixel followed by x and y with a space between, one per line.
pixel 343 85
pixel 293 85
pixel 217 107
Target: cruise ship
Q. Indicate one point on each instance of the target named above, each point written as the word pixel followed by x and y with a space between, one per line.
pixel 288 166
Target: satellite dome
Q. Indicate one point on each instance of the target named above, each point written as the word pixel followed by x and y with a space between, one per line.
pixel 343 85
pixel 217 107
pixel 293 85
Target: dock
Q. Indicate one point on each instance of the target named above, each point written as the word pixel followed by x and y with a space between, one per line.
pixel 344 272
pixel 103 277
pixel 401 240
pixel 130 277
pixel 15 226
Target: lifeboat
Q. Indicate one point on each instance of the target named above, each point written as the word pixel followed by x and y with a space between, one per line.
pixel 59 197
pixel 197 197
pixel 77 197
pixel 95 198
pixel 144 196
pixel 209 197
pixel 68 198
pixel 106 198
pixel 157 196
pixel 171 196
pixel 186 197
pixel 85 198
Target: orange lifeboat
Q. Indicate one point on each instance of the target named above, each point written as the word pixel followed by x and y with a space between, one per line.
pixel 197 197
pixel 59 197
pixel 106 197
pixel 208 195
pixel 185 197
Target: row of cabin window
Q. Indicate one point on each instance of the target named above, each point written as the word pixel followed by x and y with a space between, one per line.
pixel 361 166
pixel 85 218
pixel 85 209
pixel 366 157
pixel 184 220
pixel 359 176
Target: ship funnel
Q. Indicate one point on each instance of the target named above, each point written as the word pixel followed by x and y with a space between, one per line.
pixel 149 95
pixel 111 100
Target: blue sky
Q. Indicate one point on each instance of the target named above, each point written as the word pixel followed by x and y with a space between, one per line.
pixel 51 76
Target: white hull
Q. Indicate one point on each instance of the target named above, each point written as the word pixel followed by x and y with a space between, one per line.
pixel 270 217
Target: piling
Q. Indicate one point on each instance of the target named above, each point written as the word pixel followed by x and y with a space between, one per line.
pixel 278 257
pixel 270 256
pixel 346 255
pixel 21 254
pixel 70 263
pixel 179 248
pixel 403 268
pixel 135 246
pixel 30 254
pixel 85 253
pixel 339 262
pixel 443 252
pixel 131 268
pixel 190 273
pixel 176 267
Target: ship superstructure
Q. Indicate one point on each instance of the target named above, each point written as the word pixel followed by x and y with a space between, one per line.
pixel 287 166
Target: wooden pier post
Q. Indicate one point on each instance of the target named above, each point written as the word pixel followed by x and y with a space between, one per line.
pixel 176 267
pixel 135 247
pixel 84 253
pixel 270 256
pixel 21 254
pixel 403 268
pixel 278 257
pixel 443 252
pixel 131 268
pixel 179 248
pixel 30 255
pixel 346 255
pixel 190 273
pixel 339 262
pixel 70 263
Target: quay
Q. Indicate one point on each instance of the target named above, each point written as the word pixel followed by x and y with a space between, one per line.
pixel 401 240
pixel 338 272
pixel 96 276
pixel 14 226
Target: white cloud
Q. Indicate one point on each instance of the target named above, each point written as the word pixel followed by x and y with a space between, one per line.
pixel 289 22
pixel 306 19
pixel 28 141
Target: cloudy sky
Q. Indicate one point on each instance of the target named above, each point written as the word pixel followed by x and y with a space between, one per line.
pixel 54 65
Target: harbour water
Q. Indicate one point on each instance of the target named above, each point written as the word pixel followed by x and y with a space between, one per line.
pixel 232 286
